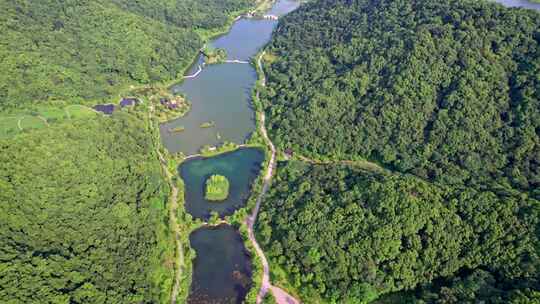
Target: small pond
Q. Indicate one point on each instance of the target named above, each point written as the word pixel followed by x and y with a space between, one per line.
pixel 222 268
pixel 240 167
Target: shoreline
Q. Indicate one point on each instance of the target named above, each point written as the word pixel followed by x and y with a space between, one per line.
pixel 244 218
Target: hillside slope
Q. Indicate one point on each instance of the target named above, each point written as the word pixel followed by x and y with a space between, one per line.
pixel 80 50
pixel 82 215
pixel 446 90
pixel 445 95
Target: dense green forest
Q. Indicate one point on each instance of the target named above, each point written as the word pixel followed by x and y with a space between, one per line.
pixel 349 235
pixel 79 50
pixel 192 14
pixel 443 94
pixel 82 214
pixel 446 90
pixel 82 200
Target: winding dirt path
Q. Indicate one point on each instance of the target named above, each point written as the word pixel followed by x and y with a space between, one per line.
pixel 280 295
pixel 173 208
pixel 173 201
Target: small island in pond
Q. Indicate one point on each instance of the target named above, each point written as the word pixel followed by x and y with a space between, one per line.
pixel 217 188
pixel 208 124
pixel 177 129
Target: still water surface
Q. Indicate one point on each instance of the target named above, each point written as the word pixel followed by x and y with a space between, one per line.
pixel 240 167
pixel 221 93
pixel 222 268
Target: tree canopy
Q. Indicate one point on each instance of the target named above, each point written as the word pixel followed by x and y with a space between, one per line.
pixel 82 200
pixel 82 214
pixel 445 95
pixel 78 50
pixel 446 90
pixel 349 235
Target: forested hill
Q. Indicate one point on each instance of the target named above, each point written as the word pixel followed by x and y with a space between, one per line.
pixel 446 90
pixel 71 50
pixel 82 215
pixel 350 236
pixel 445 95
pixel 192 14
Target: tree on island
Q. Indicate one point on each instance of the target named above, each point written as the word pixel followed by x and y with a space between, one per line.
pixel 217 188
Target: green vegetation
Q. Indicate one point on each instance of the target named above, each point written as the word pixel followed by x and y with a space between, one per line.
pixel 214 55
pixel 177 129
pixel 350 235
pixel 40 116
pixel 269 299
pixel 217 188
pixel 208 124
pixel 32 122
pixel 448 91
pixel 9 126
pixel 192 14
pixel 167 106
pixel 79 111
pixel 75 51
pixel 445 96
pixel 83 214
pixel 209 151
pixel 478 286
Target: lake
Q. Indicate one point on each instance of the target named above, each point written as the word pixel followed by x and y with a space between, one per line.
pixel 240 167
pixel 222 93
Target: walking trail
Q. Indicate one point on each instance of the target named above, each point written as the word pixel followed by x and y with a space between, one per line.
pixel 172 214
pixel 280 295
pixel 173 207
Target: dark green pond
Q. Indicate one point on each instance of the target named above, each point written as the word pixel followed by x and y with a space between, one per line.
pixel 240 167
pixel 222 268
pixel 221 94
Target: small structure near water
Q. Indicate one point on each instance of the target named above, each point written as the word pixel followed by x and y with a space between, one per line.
pixel 172 104
pixel 271 17
pixel 107 109
pixel 127 102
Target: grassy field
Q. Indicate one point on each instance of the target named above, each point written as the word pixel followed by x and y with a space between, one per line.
pixel 52 114
pixel 9 126
pixel 79 111
pixel 40 117
pixel 32 122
